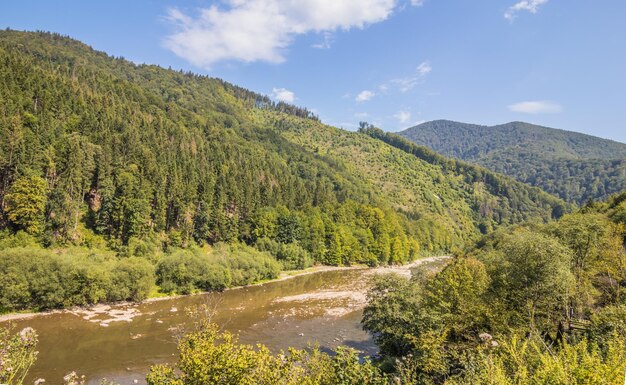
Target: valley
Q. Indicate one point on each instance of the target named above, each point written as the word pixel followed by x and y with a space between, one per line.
pixel 167 227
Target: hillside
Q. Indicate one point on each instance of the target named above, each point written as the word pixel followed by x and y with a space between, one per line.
pixel 101 153
pixel 573 166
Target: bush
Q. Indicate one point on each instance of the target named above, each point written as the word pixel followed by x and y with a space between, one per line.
pixel 185 271
pixel 291 255
pixel 247 265
pixel 208 356
pixel 132 279
pixel 33 278
pixel 608 324
pixel 221 267
pixel 19 239
pixel 520 361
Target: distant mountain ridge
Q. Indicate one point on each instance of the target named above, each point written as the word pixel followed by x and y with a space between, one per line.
pixel 574 166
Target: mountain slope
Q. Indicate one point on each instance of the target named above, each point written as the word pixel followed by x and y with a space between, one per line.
pixel 140 154
pixel 574 166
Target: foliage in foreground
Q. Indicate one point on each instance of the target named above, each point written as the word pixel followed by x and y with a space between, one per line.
pixel 17 354
pixel 540 304
pixel 208 356
pixel 522 361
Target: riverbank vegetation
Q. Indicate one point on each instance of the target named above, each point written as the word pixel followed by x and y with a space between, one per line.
pixel 529 304
pixel 532 304
pixel 540 304
pixel 113 175
pixel 60 276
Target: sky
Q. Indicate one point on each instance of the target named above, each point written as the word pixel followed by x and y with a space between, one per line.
pixel 392 63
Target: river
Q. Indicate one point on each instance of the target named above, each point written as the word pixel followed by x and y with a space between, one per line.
pixel 121 342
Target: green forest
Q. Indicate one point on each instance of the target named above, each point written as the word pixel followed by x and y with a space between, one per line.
pixel 132 173
pixel 528 304
pixel 120 182
pixel 576 167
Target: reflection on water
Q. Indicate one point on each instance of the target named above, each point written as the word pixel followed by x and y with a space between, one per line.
pixel 121 343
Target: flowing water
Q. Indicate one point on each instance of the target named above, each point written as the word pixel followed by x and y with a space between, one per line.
pixel 121 342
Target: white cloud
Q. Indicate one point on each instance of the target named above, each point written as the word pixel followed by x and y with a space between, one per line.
pixel 261 30
pixel 361 115
pixel 283 95
pixel 324 44
pixel 424 68
pixel 417 3
pixel 364 96
pixel 531 6
pixel 409 82
pixel 403 116
pixel 536 107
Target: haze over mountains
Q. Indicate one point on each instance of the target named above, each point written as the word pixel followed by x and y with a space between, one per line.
pixel 574 166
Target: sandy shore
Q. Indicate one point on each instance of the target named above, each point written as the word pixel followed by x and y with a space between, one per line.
pixel 87 311
pixel 341 302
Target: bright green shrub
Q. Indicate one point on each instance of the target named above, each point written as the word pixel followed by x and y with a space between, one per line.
pixel 34 278
pixel 185 271
pixel 208 356
pixel 291 255
pixel 131 279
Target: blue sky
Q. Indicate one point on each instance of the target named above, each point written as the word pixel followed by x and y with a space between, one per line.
pixel 393 63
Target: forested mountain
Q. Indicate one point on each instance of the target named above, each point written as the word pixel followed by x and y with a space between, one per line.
pixel 138 160
pixel 574 166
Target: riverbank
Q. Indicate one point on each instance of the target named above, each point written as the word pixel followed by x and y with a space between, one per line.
pixel 285 275
pixel 353 297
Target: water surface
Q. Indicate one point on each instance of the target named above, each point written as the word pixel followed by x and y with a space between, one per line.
pixel 121 343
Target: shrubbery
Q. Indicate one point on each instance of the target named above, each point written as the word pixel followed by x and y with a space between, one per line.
pixel 224 265
pixel 186 271
pixel 291 255
pixel 208 356
pixel 33 278
pixel 529 360
pixel 535 304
